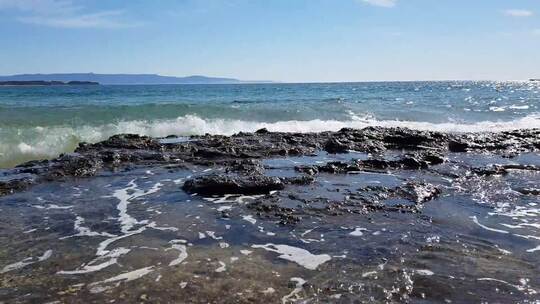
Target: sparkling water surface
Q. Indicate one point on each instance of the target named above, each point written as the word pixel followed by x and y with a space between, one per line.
pixel 38 122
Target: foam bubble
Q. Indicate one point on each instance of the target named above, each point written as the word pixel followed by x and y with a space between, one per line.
pixel 28 261
pixel 300 256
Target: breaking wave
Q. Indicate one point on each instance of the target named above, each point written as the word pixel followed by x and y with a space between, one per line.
pixel 19 145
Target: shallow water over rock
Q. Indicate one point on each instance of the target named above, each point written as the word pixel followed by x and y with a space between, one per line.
pixel 441 233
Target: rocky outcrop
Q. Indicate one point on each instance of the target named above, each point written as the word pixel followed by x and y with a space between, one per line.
pixel 241 154
pixel 219 184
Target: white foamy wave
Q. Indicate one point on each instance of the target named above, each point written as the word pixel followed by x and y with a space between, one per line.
pixel 46 142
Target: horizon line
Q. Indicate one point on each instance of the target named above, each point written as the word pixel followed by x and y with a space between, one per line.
pixel 275 81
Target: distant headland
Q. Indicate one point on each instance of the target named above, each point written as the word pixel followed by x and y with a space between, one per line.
pixel 45 83
pixel 123 79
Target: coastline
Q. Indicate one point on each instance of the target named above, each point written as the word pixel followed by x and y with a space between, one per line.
pixel 277 216
pixel 43 122
pixel 132 149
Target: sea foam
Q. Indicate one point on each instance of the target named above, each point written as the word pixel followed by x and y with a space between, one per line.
pixel 48 142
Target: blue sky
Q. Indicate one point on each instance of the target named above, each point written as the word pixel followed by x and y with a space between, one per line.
pixel 283 40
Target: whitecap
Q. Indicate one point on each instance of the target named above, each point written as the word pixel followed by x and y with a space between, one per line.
pixel 55 140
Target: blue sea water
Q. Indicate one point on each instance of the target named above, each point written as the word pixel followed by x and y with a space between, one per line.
pixel 41 122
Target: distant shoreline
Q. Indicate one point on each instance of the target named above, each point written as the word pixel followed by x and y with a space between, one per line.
pixel 46 83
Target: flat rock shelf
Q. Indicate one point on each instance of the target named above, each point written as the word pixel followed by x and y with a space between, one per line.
pixel 355 216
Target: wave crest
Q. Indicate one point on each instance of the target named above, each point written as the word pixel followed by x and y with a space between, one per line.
pixel 47 142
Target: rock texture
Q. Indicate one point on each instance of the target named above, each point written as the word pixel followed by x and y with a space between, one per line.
pixel 241 156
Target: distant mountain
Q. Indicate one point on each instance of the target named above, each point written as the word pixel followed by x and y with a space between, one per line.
pixel 123 78
pixel 44 83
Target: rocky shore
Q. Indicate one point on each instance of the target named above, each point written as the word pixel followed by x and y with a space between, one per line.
pixel 241 155
pixel 371 215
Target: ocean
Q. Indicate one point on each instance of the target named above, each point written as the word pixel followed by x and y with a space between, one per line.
pixel 378 215
pixel 42 122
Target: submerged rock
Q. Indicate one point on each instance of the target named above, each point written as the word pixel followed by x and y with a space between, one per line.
pixel 14 185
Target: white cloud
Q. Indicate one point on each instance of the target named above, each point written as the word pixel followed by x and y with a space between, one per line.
pixel 64 14
pixel 103 19
pixel 40 6
pixel 518 13
pixel 381 3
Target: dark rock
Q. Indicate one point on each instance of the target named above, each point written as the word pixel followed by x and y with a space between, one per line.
pixel 411 162
pixel 217 184
pixel 246 166
pixel 262 131
pixel 123 141
pixel 433 158
pixel 529 191
pixel 339 167
pixel 404 138
pixel 212 153
pixel 455 146
pixel 490 170
pixel 309 170
pixel 33 163
pixel 111 157
pixel 75 165
pixel 15 185
pixel 502 169
pixel 420 192
pixel 237 152
pixel 299 180
pixel 335 146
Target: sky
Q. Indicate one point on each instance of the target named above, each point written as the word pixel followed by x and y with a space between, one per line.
pixel 280 40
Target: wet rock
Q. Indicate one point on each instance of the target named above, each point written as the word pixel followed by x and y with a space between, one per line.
pixel 334 146
pixel 455 146
pixel 213 153
pixel 219 184
pixel 409 161
pixel 111 157
pixel 502 169
pixel 309 170
pixel 15 185
pixel 36 167
pixel 420 192
pixel 33 163
pixel 75 165
pixel 409 197
pixel 490 170
pixel 521 167
pixel 299 180
pixel 237 152
pixel 529 191
pixel 247 166
pixel 123 141
pixel 262 131
pixel 270 208
pixel 338 167
pixel 406 138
